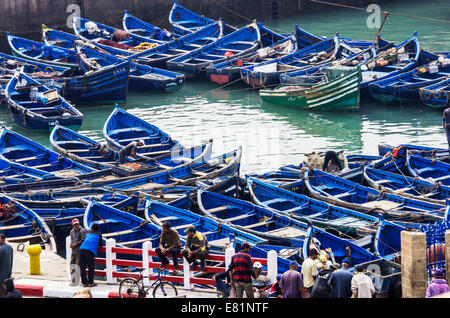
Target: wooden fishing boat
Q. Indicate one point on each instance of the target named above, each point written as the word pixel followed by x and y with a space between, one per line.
pixel 32 105
pixel 238 43
pixel 121 128
pixel 60 217
pixel 423 151
pixel 106 36
pixel 24 225
pixel 390 60
pixel 339 92
pixel 127 229
pixel 187 174
pixel 335 190
pixel 106 85
pixel 429 169
pixel 301 207
pixel 133 25
pixel 436 95
pixel 184 21
pixel 22 150
pixel 159 55
pixel 93 153
pixel 388 240
pixel 40 52
pixel 142 77
pixel 410 187
pixel 11 173
pixel 404 87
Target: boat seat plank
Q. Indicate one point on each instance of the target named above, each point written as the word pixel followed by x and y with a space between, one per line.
pixel 21 238
pixel 426 169
pixel 12 227
pixel 180 227
pixel 382 181
pixel 238 217
pixel 157 138
pixel 220 209
pixel 134 242
pixel 402 190
pixel 119 233
pixel 288 232
pixel 276 200
pixel 382 204
pixel 250 226
pixel 167 218
pixel 342 195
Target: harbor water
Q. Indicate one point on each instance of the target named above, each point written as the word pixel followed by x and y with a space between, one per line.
pixel 273 135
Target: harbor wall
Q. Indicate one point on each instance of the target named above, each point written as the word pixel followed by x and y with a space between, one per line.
pixel 25 17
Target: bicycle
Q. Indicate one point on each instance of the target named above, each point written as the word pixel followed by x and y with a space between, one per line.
pixel 134 288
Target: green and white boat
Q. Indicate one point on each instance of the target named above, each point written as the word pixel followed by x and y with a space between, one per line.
pixel 338 90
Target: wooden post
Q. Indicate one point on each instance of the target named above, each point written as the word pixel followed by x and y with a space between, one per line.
pixel 68 257
pixel 272 265
pixel 187 275
pixel 229 252
pixel 414 264
pixel 146 246
pixel 110 256
pixel 447 255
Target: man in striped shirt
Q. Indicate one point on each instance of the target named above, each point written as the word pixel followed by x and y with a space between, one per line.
pixel 242 272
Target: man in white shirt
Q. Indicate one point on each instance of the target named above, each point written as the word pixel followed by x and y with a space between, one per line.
pixel 309 270
pixel 362 286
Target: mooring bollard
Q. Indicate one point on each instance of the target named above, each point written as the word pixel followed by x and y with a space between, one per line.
pixel 35 263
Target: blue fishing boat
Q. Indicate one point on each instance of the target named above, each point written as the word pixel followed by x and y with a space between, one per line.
pixel 335 190
pixel 405 87
pixel 184 21
pixel 133 25
pixel 159 55
pixel 219 235
pixel 431 170
pixel 106 85
pixel 121 128
pixel 419 150
pixel 106 36
pixel 58 38
pixel 58 217
pixel 301 207
pixel 98 155
pixel 142 77
pixel 11 173
pixel 388 240
pixel 390 60
pixel 32 105
pixel 187 174
pixel 127 229
pixel 436 95
pixel 41 52
pixel 251 218
pixel 229 70
pixel 21 150
pixel 238 43
pixel 20 224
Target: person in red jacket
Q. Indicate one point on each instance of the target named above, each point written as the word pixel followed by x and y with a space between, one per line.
pixel 242 272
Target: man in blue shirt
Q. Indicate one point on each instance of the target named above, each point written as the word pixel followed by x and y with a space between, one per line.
pixel 340 281
pixel 92 240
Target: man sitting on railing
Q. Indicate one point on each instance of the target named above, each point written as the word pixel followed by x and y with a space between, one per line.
pixel 169 242
pixel 196 247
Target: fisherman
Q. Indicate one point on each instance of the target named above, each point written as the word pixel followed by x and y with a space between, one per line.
pixel 75 242
pixel 196 247
pixel 362 286
pixel 6 261
pixel 130 149
pixel 446 124
pixel 92 240
pixel 223 288
pixel 292 283
pixel 242 270
pixel 341 280
pixel 169 243
pixel 438 285
pixel 321 288
pixel 332 163
pixel 275 290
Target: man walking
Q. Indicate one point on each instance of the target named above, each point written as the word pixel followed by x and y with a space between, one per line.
pixel 362 286
pixel 292 283
pixel 340 281
pixel 75 242
pixel 242 270
pixel 196 247
pixel 169 243
pixel 6 261
pixel 92 240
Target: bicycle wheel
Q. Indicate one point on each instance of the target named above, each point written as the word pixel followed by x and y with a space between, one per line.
pixel 129 288
pixel 165 289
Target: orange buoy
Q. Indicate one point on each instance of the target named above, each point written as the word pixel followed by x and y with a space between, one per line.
pixel 239 63
pixel 228 53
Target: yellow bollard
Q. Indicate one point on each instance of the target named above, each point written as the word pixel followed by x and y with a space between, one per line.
pixel 35 263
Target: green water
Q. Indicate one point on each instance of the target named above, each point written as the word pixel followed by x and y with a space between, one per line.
pixel 272 135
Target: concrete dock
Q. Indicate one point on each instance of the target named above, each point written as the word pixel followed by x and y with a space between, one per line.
pixel 53 279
